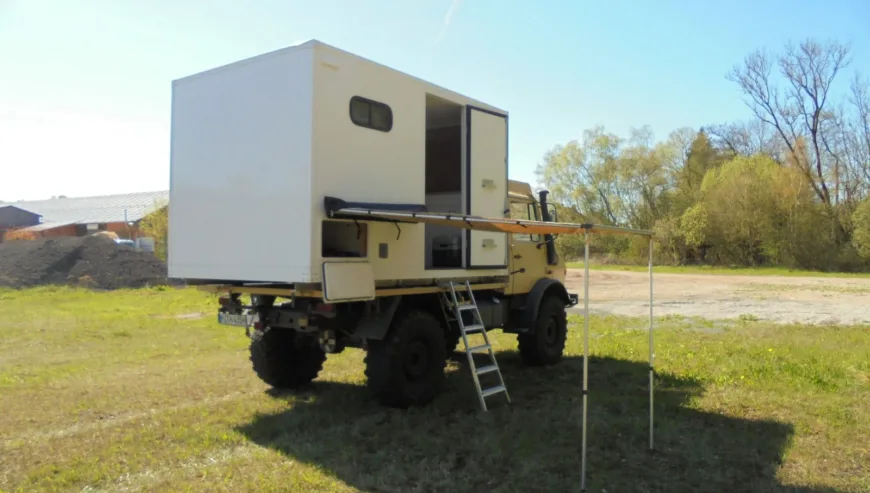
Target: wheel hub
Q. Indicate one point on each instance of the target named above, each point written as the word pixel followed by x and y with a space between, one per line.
pixel 551 333
pixel 416 360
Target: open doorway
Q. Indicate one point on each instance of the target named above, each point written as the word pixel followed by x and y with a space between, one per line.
pixel 443 180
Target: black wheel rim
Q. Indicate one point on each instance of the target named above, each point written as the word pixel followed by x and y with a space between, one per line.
pixel 551 333
pixel 416 361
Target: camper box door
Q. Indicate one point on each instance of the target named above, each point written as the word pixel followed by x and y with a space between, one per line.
pixel 486 185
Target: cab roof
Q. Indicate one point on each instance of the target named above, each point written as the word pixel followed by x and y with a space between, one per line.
pixel 520 192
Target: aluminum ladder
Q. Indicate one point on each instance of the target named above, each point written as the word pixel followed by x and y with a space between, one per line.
pixel 456 306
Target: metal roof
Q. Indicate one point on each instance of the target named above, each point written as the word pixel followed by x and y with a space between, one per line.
pixel 99 209
pixel 4 206
pixel 44 227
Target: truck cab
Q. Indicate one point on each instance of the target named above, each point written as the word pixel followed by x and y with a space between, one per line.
pixel 532 256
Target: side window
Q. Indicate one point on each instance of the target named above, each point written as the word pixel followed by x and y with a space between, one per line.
pixel 525 211
pixel 371 114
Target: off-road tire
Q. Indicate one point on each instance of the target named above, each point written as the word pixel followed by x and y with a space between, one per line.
pixel 407 367
pixel 285 360
pixel 546 343
pixel 451 339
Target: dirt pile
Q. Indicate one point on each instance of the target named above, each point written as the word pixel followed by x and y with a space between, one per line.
pixel 90 261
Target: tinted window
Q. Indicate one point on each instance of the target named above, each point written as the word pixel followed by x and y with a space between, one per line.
pixel 525 211
pixel 371 114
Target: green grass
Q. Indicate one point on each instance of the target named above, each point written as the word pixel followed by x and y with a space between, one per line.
pixel 704 269
pixel 131 391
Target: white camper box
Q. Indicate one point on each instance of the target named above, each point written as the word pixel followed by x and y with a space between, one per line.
pixel 258 145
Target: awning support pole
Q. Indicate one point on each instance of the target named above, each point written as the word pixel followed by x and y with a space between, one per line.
pixel 585 355
pixel 651 351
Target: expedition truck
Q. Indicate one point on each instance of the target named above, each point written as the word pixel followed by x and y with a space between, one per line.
pixel 337 203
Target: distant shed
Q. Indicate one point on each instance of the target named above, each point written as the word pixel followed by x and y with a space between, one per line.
pixel 78 216
pixel 13 217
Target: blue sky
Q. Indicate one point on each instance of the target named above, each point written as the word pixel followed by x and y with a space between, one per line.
pixel 85 84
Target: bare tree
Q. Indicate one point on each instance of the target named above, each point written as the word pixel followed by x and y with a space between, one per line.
pixel 746 138
pixel 858 129
pixel 798 111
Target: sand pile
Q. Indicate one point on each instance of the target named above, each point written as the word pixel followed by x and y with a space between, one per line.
pixel 90 261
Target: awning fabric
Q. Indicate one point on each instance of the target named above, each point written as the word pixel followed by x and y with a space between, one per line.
pixel 339 209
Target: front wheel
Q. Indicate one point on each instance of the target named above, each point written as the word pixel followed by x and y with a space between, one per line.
pixel 545 344
pixel 407 367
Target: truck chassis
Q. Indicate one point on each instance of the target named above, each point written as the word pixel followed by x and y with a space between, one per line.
pixel 404 332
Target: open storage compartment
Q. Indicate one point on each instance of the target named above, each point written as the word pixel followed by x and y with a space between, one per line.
pixel 344 239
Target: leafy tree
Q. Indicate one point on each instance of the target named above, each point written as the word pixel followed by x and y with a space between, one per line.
pixel 701 157
pixel 758 212
pixel 789 186
pixel 156 225
pixel 861 233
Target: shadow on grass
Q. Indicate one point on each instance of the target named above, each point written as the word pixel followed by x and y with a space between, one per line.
pixel 534 444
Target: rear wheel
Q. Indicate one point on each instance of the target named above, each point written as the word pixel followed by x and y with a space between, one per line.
pixel 451 339
pixel 407 367
pixel 546 343
pixel 284 359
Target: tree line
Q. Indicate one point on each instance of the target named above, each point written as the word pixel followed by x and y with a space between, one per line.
pixel 787 187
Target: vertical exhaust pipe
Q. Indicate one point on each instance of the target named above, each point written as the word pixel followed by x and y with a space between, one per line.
pixel 548 239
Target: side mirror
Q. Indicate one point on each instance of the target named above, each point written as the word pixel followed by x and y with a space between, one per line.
pixel 554 216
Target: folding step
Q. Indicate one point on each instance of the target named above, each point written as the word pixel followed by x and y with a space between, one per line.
pixel 487 369
pixel 453 308
pixel 493 390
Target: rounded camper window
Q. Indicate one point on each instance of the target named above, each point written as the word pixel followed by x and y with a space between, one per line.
pixel 371 114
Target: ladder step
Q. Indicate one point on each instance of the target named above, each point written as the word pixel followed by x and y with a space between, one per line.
pixel 492 390
pixel 467 307
pixel 474 328
pixel 479 348
pixel 486 369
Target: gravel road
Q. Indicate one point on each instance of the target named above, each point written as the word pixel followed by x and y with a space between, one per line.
pixel 809 300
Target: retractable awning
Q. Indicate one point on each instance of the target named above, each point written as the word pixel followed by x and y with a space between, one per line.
pixel 339 209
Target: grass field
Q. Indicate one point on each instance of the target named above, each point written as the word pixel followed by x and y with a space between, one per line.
pixel 703 269
pixel 135 391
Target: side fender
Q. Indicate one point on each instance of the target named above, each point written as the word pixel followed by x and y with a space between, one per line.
pixel 542 289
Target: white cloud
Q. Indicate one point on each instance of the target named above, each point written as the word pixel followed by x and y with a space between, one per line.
pixel 448 18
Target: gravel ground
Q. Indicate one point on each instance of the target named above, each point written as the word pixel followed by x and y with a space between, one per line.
pixel 809 300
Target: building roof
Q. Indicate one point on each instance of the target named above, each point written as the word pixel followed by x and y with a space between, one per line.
pixel 45 227
pixel 100 209
pixel 11 206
